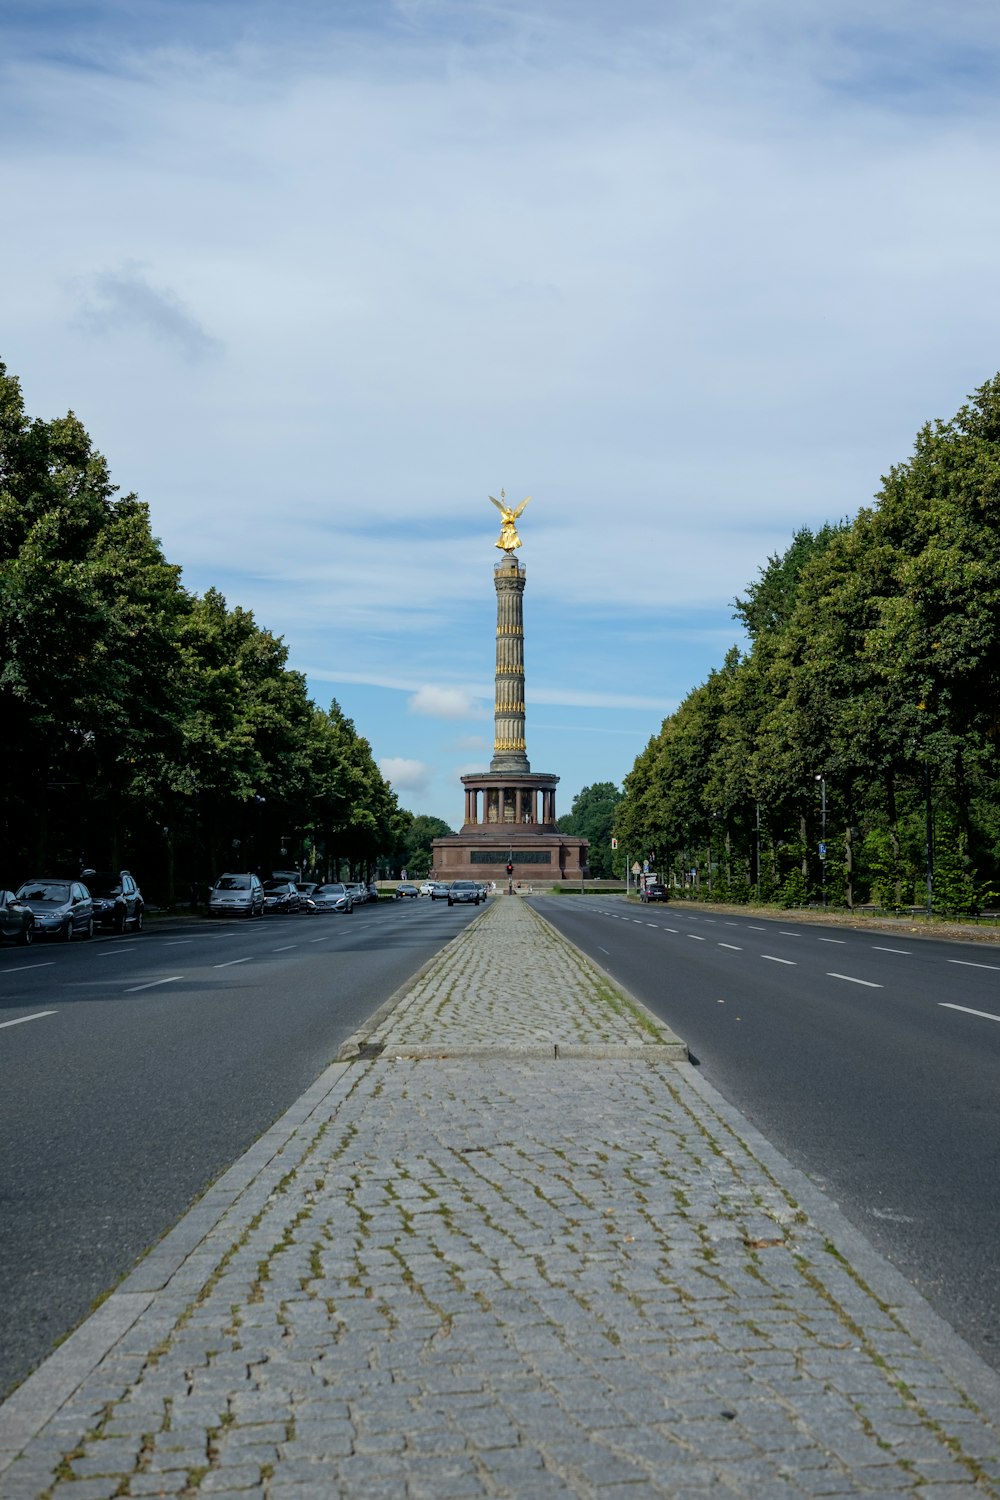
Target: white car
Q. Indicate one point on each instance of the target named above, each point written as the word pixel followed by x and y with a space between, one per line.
pixel 426 887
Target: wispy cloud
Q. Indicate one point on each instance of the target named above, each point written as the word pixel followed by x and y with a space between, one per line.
pixel 125 301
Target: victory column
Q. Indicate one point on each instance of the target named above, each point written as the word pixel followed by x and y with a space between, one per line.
pixel 510 814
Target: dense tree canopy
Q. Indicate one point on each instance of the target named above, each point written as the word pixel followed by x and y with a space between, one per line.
pixel 144 725
pixel 871 689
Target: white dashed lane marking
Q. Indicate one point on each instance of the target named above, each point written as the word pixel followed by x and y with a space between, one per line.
pixel 21 1019
pixel 986 1014
pixel 870 984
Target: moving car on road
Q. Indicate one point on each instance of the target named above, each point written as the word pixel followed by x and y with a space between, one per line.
pixel 654 892
pixel 464 890
pixel 439 890
pixel 60 907
pixel 334 896
pixel 406 890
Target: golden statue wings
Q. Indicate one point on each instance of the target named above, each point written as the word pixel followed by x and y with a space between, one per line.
pixel 509 538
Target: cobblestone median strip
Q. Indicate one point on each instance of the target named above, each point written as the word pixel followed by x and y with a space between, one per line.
pixel 521 1278
pixel 511 982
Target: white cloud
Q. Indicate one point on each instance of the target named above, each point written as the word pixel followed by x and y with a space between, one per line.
pixel 405 775
pixel 445 703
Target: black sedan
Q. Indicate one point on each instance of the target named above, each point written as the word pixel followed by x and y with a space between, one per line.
pixel 655 892
pixel 117 899
pixel 17 920
pixel 281 895
pixel 464 890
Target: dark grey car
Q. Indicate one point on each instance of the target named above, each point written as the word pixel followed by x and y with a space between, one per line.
pixel 465 890
pixel 17 920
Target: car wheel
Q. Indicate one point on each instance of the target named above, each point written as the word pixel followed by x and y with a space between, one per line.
pixel 450 901
pixel 88 931
pixel 119 919
pixel 67 932
pixel 27 937
pixel 137 924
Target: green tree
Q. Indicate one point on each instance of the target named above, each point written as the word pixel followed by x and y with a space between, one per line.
pixel 417 856
pixel 592 817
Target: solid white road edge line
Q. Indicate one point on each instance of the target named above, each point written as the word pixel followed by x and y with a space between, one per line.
pixel 36 1017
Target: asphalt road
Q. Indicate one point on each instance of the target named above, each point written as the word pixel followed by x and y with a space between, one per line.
pixel 871 1061
pixel 135 1069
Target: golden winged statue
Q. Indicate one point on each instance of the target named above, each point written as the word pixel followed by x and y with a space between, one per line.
pixel 509 538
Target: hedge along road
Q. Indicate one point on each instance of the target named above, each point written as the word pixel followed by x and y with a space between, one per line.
pixel 134 1070
pixel 870 1059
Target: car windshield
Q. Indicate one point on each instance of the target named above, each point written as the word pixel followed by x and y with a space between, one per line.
pixel 329 890
pixel 276 885
pixel 42 890
pixel 233 883
pixel 104 885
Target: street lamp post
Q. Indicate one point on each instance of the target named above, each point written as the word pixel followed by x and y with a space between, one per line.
pixel 822 841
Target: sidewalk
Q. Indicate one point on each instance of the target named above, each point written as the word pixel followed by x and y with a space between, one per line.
pixel 510 1245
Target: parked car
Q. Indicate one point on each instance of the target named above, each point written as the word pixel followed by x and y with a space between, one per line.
pixel 359 892
pixel 406 890
pixel 464 890
pixel 654 892
pixel 334 896
pixel 117 899
pixel 60 907
pixel 439 890
pixel 240 895
pixel 305 890
pixel 372 891
pixel 17 920
pixel 426 888
pixel 281 896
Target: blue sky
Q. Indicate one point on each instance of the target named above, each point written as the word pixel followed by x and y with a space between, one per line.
pixel 320 277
